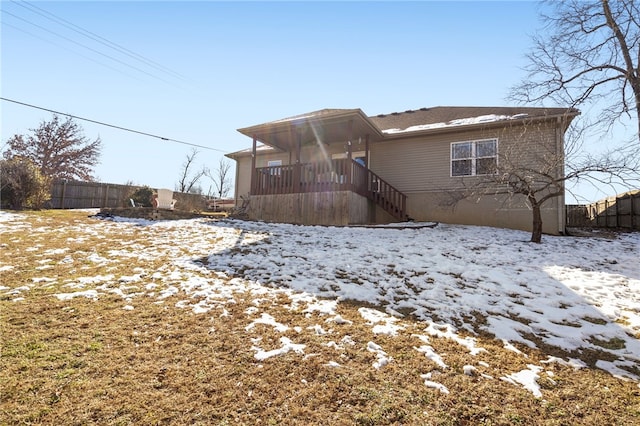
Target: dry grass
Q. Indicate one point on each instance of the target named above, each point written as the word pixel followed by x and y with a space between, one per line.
pixel 82 361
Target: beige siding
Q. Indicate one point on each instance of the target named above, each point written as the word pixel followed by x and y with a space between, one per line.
pixel 263 160
pixel 243 171
pixel 424 164
pixel 243 178
pixel 495 211
pixel 318 153
pixel 421 168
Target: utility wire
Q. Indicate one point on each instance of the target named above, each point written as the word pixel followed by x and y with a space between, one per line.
pixel 102 40
pixel 89 48
pixel 6 24
pixel 112 125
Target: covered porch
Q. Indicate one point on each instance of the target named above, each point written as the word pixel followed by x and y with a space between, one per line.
pixel 353 185
pixel 331 176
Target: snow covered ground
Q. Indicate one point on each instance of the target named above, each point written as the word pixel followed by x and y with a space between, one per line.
pixel 572 293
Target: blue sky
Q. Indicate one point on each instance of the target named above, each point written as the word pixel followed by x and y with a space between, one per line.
pixel 210 68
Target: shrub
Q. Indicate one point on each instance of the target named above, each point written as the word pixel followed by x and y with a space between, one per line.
pixel 142 197
pixel 22 185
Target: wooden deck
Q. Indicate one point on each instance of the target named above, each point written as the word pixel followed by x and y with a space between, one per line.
pixel 329 177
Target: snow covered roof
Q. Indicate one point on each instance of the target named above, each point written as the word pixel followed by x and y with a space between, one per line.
pixel 449 117
pixel 339 124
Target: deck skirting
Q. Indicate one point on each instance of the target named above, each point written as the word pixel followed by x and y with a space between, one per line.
pixel 338 208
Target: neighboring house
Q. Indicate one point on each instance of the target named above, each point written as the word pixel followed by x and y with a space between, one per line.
pixel 340 167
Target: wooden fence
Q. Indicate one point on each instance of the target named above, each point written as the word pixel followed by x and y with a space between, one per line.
pixel 621 211
pixel 81 195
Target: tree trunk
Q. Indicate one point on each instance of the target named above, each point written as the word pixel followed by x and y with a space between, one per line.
pixel 536 230
pixel 635 85
pixel 637 90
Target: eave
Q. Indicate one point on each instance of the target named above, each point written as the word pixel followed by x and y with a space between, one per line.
pixel 564 118
pixel 320 127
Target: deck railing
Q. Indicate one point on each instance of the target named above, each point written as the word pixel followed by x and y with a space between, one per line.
pixel 334 175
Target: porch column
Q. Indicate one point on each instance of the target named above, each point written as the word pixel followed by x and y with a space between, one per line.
pixel 252 191
pixel 366 151
pixel 350 155
pixel 349 138
pixel 297 172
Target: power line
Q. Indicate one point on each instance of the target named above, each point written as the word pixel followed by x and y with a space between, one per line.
pixel 87 47
pixel 112 125
pixel 6 24
pixel 102 40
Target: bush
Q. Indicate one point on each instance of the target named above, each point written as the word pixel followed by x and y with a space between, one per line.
pixel 143 197
pixel 22 185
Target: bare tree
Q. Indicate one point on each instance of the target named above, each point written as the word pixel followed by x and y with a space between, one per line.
pixel 189 181
pixel 589 54
pixel 221 178
pixel 58 148
pixel 539 174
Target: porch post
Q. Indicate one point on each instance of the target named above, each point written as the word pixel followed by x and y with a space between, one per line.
pixel 252 191
pixel 297 172
pixel 349 138
pixel 350 155
pixel 366 151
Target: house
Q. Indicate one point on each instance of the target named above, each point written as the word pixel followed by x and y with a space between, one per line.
pixel 341 167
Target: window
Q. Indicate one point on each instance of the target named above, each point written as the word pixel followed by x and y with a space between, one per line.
pixel 474 157
pixel 275 163
pixel 358 156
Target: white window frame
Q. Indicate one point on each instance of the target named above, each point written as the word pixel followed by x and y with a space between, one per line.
pixel 274 163
pixel 473 157
pixel 343 155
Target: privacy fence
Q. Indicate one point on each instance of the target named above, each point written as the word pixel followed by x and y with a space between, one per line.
pixel 621 211
pixel 81 195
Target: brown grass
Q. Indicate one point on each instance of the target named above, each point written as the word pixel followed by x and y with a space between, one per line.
pixel 82 361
